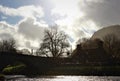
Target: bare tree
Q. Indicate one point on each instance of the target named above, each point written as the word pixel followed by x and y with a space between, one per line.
pixel 117 50
pixel 111 43
pixel 8 45
pixel 54 43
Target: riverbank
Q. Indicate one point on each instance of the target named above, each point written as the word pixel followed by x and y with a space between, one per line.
pixel 85 70
pixel 17 64
pixel 82 70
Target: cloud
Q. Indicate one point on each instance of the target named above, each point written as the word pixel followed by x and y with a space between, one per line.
pixel 5 36
pixel 31 29
pixel 103 13
pixel 23 11
pixel 85 16
pixel 6 28
pixel 92 1
pixel 32 32
pixel 72 19
pixel 77 18
pixel 28 33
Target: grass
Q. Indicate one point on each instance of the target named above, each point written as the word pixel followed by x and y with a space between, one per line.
pixel 85 70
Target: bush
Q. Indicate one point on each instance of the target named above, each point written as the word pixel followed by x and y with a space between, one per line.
pixel 11 69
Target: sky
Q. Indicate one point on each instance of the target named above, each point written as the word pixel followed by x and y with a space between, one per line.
pixel 26 20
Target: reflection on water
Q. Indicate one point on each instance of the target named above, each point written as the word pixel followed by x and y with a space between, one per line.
pixel 70 78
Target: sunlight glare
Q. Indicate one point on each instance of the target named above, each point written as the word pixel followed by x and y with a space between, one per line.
pixel 66 78
pixel 68 12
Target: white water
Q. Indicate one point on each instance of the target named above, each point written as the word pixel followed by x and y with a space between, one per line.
pixel 69 78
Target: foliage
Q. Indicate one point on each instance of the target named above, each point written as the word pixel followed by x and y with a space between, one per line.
pixel 54 43
pixel 14 68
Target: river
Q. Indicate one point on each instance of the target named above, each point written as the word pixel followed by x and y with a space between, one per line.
pixel 68 78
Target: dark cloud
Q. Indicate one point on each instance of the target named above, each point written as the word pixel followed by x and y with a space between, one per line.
pixel 104 13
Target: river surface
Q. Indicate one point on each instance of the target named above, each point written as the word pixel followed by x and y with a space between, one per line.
pixel 68 78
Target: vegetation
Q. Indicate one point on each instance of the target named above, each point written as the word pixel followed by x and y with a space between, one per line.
pixel 91 57
pixel 105 50
pixel 14 69
pixel 8 45
pixel 54 43
pixel 112 45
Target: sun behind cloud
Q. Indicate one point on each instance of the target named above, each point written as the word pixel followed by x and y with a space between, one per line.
pixel 77 18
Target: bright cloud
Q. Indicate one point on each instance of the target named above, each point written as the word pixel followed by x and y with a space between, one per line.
pixel 28 32
pixel 24 11
pixel 77 18
pixel 31 28
pixel 72 19
pixel 6 30
pixel 66 12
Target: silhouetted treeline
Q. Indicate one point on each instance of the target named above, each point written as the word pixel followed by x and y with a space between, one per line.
pixel 106 50
pixel 35 65
pixel 98 50
pixel 8 45
pixel 54 44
